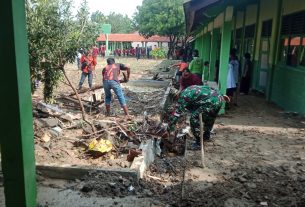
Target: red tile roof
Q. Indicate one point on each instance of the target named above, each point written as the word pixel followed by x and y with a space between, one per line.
pixel 131 38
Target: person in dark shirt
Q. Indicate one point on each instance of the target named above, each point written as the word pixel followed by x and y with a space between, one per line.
pixel 246 75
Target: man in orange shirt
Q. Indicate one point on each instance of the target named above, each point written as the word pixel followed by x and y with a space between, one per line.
pixel 182 66
pixel 87 65
pixel 111 81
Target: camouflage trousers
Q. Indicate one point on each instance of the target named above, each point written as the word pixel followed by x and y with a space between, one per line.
pixel 208 121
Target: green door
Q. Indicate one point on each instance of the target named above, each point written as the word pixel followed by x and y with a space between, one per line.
pixel 263 67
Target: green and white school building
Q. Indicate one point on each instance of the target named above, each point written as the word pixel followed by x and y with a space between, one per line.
pixel 272 31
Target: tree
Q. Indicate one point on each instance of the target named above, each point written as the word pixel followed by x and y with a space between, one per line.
pixel 54 38
pixel 161 17
pixel 119 23
pixel 98 17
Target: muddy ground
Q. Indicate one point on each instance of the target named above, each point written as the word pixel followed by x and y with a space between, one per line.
pixel 257 158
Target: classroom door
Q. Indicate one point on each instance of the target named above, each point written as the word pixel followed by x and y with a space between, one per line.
pixel 263 67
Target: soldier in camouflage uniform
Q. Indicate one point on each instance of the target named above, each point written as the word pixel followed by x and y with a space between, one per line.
pixel 196 100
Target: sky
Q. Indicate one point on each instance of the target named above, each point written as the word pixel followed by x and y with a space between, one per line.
pixel 106 6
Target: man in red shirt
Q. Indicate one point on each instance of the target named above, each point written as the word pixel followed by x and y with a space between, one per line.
pixel 189 79
pixel 94 51
pixel 88 64
pixel 103 49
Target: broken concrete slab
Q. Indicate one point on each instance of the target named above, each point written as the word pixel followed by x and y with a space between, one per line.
pixel 56 131
pixel 49 122
pixel 49 109
pixel 141 163
pixel 148 83
pixel 53 197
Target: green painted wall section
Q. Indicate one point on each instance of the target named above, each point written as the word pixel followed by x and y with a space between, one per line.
pixel 17 137
pixel 206 53
pixel 251 12
pixel 224 57
pixel 288 90
pixel 213 54
pixel 267 11
pixel 239 19
pixel 291 6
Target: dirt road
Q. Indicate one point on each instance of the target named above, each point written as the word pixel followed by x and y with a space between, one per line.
pixel 257 159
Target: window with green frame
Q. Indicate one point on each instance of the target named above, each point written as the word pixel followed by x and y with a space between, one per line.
pixel 292 43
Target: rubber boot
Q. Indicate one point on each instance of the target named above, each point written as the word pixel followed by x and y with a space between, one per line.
pixel 107 110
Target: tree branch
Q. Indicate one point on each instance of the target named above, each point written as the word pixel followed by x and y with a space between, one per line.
pixel 79 100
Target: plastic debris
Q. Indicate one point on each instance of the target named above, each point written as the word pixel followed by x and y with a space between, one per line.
pixel 100 145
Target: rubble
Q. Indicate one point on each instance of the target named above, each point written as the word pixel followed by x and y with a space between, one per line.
pixel 243 168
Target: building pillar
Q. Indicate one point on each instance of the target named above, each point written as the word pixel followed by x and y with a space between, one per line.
pixel 275 47
pixel 225 51
pixel 206 53
pixel 17 137
pixel 213 54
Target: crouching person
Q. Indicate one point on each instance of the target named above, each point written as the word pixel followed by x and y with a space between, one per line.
pixel 196 100
pixel 111 80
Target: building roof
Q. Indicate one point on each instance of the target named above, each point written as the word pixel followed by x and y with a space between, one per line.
pixel 194 11
pixel 201 12
pixel 131 38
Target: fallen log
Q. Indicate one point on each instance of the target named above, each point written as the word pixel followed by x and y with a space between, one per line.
pixel 84 90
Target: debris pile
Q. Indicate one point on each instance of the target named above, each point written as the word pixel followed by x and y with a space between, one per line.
pixel 108 184
pixel 59 128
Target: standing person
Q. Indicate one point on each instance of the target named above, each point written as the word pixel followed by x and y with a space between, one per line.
pixel 78 57
pixel 138 52
pixel 236 70
pixel 216 77
pixel 246 76
pixel 124 52
pixel 143 51
pixel 196 65
pixel 149 49
pixel 182 66
pixel 133 51
pixel 231 82
pixel 87 65
pixel 94 51
pixel 111 80
pixel 206 70
pixel 103 50
pixel 196 100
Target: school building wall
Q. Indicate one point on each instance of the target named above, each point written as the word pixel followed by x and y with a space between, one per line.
pixel 288 88
pixel 285 85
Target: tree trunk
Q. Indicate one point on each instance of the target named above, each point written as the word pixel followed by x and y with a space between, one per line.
pixel 172 40
pixel 80 102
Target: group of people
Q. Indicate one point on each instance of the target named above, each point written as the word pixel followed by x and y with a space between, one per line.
pixel 111 77
pixel 197 98
pixel 138 52
pixel 193 96
pixel 238 81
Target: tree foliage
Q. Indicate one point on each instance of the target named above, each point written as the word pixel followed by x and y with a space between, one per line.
pixel 119 23
pixel 161 17
pixel 54 38
pixel 98 17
